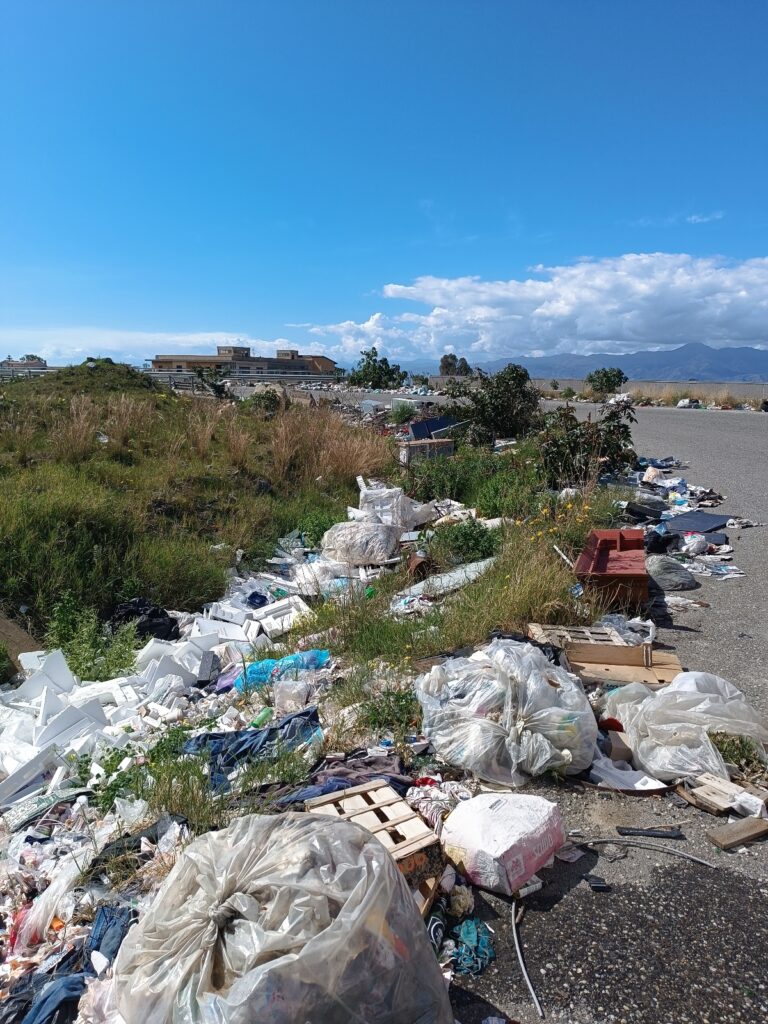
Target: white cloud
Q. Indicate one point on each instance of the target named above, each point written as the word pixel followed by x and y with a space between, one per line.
pixel 615 304
pixel 618 304
pixel 705 218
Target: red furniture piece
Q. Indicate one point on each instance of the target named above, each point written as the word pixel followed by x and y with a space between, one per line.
pixel 614 560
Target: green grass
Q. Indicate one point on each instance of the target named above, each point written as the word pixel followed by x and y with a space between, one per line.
pixel 140 512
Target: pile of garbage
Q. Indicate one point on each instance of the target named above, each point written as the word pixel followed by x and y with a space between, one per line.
pixel 354 896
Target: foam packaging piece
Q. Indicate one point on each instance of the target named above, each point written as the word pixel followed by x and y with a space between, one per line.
pixel 499 840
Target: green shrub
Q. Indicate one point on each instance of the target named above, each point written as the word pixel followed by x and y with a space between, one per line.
pixel 7 668
pixel 469 541
pixel 459 477
pixel 314 523
pixel 91 652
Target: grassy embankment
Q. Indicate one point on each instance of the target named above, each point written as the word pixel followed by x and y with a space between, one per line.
pixel 111 488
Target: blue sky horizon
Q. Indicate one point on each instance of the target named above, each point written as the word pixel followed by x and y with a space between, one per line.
pixel 495 179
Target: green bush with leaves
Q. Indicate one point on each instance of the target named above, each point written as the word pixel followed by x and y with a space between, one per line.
pixel 606 380
pixel 91 651
pixel 7 669
pixel 503 404
pixel 460 477
pixel 469 541
pixel 577 451
pixel 374 372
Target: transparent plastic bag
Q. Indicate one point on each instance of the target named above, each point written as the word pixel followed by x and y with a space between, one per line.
pixel 667 731
pixel 360 543
pixel 286 918
pixel 506 711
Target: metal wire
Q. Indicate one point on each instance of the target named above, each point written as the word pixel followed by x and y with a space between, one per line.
pixel 520 960
pixel 644 846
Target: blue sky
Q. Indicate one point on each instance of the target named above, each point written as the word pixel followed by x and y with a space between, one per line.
pixel 488 176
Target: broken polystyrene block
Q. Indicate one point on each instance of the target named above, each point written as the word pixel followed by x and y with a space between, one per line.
pixel 31 661
pixel 279 617
pixel 227 612
pixel 166 666
pixel 222 630
pixel 152 651
pixel 71 722
pixel 54 673
pixel 50 705
pixel 41 766
pixel 57 778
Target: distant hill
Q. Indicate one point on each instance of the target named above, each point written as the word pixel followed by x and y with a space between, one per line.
pixel 688 362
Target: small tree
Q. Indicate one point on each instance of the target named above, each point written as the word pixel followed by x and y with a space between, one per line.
pixel 502 404
pixel 463 369
pixel 554 384
pixel 372 372
pixel 609 378
pixel 448 364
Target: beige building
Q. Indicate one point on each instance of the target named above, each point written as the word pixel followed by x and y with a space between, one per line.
pixel 238 359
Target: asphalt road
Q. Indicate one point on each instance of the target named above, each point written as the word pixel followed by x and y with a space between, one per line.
pixel 727 451
pixel 672 942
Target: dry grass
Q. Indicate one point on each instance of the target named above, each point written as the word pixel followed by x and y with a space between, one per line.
pixel 74 434
pixel 17 435
pixel 201 426
pixel 239 442
pixel 125 418
pixel 312 444
pixel 725 398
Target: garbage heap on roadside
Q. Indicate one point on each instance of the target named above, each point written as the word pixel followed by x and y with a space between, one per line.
pixel 353 898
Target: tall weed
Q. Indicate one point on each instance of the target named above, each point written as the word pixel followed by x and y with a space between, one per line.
pixel 74 433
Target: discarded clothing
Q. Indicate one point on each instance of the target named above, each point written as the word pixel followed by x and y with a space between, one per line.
pixel 227 750
pixel 669 574
pixel 357 768
pixel 474 950
pixel 435 803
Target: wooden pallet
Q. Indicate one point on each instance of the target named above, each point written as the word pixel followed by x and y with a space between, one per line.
pixel 377 807
pixel 561 636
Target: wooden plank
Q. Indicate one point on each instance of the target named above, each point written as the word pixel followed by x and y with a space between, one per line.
pixel 366 787
pixel 691 796
pixel 738 833
pixel 427 892
pixel 607 654
pixel 732 789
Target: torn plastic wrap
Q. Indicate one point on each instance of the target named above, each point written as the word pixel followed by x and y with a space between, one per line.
pixel 390 505
pixel 507 712
pixel 667 730
pixel 284 918
pixel 363 543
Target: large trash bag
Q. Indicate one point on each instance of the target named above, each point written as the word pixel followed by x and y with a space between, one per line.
pixel 668 730
pixel 289 918
pixel 360 543
pixel 506 711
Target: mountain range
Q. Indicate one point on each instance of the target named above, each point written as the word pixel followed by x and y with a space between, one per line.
pixel 694 361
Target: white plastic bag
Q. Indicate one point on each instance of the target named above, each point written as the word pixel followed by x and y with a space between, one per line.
pixel 287 918
pixel 360 543
pixel 505 711
pixel 667 731
pixel 390 505
pixel 499 840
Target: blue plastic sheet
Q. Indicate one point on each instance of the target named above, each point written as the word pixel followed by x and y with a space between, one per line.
pixel 227 750
pixel 260 672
